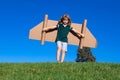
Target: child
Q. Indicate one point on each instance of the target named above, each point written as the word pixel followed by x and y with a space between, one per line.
pixel 63 27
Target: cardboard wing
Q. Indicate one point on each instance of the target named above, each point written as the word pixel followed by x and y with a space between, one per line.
pixel 37 34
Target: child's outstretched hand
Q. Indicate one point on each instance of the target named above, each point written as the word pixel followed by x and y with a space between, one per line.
pixel 82 35
pixel 44 29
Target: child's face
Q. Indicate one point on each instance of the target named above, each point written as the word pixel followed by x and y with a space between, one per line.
pixel 65 21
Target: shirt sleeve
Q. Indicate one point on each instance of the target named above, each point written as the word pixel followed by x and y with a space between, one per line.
pixel 57 26
pixel 71 28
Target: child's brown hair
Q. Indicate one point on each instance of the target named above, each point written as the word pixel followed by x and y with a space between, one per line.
pixel 64 17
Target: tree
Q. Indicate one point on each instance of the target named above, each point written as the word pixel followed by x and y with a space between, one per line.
pixel 85 55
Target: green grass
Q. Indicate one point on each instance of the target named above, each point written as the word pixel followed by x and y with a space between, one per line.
pixel 59 71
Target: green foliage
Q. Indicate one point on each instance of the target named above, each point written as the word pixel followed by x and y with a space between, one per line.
pixel 59 71
pixel 85 55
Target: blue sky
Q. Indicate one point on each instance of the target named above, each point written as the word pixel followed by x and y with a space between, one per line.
pixel 17 17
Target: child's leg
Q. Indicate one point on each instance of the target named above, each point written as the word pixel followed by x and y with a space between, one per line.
pixel 58 54
pixel 64 49
pixel 59 45
pixel 63 55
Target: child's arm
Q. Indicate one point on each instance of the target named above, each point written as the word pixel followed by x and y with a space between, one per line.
pixel 48 28
pixel 77 32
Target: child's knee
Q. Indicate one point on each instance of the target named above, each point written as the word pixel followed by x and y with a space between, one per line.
pixel 63 51
pixel 59 48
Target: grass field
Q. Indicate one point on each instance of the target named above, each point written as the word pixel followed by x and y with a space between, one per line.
pixel 59 71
